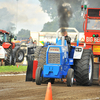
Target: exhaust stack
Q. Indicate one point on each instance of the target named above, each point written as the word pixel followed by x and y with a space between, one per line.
pixel 63 39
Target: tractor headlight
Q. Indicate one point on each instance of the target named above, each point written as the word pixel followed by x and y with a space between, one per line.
pixel 78 49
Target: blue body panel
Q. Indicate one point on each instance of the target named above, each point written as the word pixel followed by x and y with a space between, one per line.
pixel 58 70
pixel 55 71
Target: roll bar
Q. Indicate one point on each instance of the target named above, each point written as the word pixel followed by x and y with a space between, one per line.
pixel 69 28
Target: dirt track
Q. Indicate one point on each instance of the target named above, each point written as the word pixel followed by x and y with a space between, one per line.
pixel 15 88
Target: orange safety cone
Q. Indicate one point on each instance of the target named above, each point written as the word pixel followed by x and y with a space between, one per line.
pixel 48 95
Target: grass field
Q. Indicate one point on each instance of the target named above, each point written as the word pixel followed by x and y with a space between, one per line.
pixel 5 69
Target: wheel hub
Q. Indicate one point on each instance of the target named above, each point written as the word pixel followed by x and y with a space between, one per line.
pixel 90 69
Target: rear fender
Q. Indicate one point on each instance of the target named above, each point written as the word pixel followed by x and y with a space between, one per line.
pixel 78 52
pixel 6 45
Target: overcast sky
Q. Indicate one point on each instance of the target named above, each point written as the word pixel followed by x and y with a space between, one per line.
pixel 29 14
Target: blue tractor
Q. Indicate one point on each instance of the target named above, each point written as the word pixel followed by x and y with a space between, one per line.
pixel 62 62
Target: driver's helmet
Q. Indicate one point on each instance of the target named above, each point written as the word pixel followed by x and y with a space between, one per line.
pixel 63 32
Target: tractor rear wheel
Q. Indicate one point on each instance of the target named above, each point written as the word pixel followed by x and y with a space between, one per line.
pixel 14 60
pixel 42 57
pixel 9 56
pixel 37 52
pixel 84 68
pixel 38 77
pixel 42 61
pixel 70 77
pixel 19 55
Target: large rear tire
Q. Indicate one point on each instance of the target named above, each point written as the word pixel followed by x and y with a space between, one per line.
pixel 42 62
pixel 42 57
pixel 84 68
pixel 37 52
pixel 9 56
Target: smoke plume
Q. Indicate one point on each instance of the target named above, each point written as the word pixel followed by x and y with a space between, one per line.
pixel 5 20
pixel 64 13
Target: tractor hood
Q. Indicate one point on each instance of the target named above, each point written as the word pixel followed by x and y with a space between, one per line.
pixel 56 54
pixel 6 45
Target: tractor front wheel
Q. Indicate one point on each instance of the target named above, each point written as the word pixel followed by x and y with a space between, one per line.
pixel 70 77
pixel 38 77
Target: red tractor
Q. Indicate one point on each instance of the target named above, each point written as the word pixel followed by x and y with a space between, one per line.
pixel 91 27
pixel 9 53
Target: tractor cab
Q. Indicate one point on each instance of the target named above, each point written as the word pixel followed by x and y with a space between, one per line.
pixel 5 39
pixel 4 36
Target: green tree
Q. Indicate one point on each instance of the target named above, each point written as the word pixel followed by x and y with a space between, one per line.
pixel 51 26
pixel 23 34
pixel 51 8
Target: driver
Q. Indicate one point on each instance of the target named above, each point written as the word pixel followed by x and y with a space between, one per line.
pixel 67 38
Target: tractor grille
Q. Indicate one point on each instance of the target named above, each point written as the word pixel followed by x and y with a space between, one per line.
pixel 54 58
